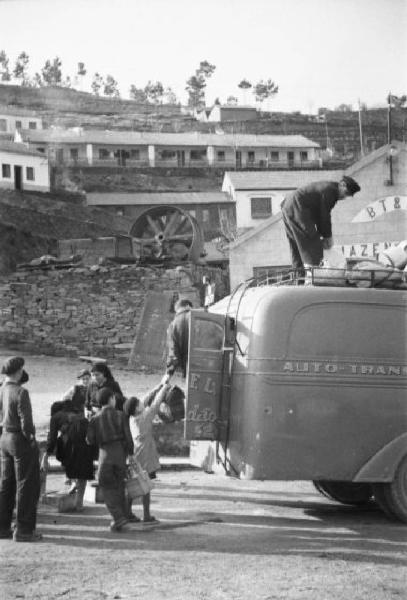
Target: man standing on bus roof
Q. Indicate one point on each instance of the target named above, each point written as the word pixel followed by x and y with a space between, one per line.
pixel 307 218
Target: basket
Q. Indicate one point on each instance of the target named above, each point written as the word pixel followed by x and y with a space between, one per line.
pixel 138 482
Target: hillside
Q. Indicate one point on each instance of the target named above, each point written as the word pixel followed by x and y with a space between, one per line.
pixel 70 108
pixel 31 224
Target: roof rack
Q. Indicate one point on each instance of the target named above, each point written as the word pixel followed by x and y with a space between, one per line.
pixel 376 276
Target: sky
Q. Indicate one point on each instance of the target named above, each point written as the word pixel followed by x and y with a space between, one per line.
pixel 319 52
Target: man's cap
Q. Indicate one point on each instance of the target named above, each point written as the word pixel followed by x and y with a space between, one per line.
pixel 83 373
pixel 12 365
pixel 351 185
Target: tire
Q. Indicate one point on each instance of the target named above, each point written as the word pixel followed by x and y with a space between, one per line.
pixel 379 492
pixel 395 493
pixel 346 492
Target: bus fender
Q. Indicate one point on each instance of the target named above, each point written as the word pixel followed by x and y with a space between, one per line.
pixel 382 466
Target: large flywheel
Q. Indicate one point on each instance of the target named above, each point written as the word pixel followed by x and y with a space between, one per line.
pixel 167 233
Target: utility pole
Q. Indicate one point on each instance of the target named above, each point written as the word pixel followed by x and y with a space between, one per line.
pixel 389 134
pixel 362 153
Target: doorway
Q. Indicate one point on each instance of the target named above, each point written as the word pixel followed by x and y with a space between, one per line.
pixel 18 177
pixel 238 159
pixel 181 158
pixel 290 156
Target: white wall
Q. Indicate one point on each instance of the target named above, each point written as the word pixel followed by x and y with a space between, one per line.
pixel 11 120
pixel 243 205
pixel 39 164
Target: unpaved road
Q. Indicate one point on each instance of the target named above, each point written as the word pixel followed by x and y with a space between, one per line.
pixel 218 538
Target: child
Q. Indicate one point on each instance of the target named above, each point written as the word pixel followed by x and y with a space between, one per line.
pixel 109 430
pixel 141 415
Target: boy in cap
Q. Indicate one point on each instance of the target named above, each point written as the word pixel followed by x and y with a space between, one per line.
pixel 19 455
pixel 307 219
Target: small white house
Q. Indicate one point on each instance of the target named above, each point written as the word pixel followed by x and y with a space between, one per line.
pixel 22 168
pixel 12 120
pixel 258 194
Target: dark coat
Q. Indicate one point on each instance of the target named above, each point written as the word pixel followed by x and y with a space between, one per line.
pixel 177 341
pixel 67 436
pixel 310 207
pixel 93 389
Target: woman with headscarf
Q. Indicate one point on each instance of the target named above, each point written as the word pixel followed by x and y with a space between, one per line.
pixel 102 378
pixel 67 437
pixel 141 414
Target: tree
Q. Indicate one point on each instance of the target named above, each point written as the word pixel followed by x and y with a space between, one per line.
pixel 51 72
pixel 20 68
pixel 231 100
pixel 4 68
pixel 81 69
pixel 154 91
pixel 137 94
pixel 170 96
pixel 344 108
pixel 37 80
pixel 244 85
pixel 264 90
pixel 196 84
pixel 110 87
pixel 97 84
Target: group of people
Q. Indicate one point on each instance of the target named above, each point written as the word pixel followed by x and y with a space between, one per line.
pixel 92 421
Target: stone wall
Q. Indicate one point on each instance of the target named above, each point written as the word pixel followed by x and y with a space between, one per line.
pixel 84 311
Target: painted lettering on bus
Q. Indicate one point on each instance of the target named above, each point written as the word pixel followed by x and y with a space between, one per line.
pixel 198 382
pixel 201 415
pixel 343 368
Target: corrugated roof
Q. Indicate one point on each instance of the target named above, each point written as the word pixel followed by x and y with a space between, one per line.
pixel 283 180
pixel 156 198
pixel 16 148
pixel 141 138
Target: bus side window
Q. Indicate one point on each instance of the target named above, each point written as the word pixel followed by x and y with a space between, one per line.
pixel 208 335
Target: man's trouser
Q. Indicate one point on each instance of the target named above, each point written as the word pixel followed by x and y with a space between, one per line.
pixel 111 479
pixel 19 482
pixel 305 244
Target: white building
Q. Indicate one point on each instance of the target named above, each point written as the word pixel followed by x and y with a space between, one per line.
pixel 192 149
pixel 362 226
pixel 22 168
pixel 12 120
pixel 258 194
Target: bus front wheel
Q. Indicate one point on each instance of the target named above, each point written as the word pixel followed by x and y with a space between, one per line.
pixel 346 492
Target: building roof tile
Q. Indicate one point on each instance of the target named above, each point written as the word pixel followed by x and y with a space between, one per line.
pixel 283 180
pixel 156 198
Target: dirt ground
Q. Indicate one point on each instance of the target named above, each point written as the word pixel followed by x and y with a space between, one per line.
pixel 217 539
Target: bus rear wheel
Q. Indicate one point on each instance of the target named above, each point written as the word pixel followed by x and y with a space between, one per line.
pixel 392 497
pixel 346 492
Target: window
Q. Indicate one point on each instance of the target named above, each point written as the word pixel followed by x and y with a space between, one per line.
pixel 74 153
pixel 32 125
pixel 192 213
pixel 3 125
pixel 103 153
pixel 6 171
pixel 198 154
pixel 221 155
pixel 29 173
pixel 250 157
pixel 275 156
pixel 41 150
pixel 167 154
pixel 304 155
pixel 260 208
pixel 205 215
pixel 19 125
pixel 135 154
